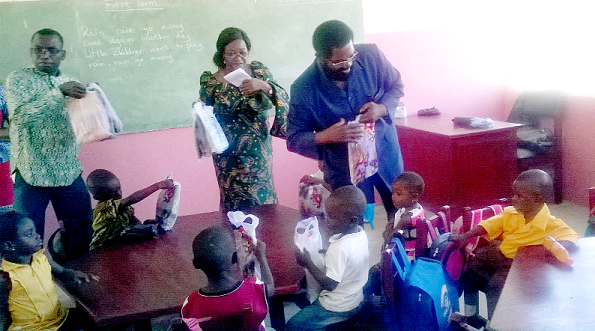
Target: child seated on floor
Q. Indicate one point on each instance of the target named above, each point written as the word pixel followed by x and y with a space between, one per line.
pixel 227 302
pixel 527 222
pixel 407 189
pixel 346 264
pixel 114 216
pixel 28 297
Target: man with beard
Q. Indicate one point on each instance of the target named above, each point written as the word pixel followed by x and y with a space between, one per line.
pixel 345 81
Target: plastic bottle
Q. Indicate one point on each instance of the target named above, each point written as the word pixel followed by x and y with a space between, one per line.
pixel 401 111
pixel 557 250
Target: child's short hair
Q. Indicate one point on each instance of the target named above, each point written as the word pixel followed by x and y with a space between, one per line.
pixel 350 200
pixel 414 183
pixel 8 225
pixel 97 184
pixel 539 183
pixel 213 250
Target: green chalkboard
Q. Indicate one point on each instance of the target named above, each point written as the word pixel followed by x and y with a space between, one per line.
pixel 148 55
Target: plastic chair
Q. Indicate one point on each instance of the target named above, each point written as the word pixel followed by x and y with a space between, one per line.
pixel 543 111
pixel 369 215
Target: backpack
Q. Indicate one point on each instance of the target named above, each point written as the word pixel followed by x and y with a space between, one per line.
pixel 476 217
pixel 426 295
pixel 451 256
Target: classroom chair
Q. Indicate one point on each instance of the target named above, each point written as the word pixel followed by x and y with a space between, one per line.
pixel 539 141
pixel 369 215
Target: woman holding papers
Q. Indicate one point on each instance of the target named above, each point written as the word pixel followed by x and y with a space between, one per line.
pixel 241 92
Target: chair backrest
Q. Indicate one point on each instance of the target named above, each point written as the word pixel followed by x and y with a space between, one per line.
pixel 427 229
pixel 532 106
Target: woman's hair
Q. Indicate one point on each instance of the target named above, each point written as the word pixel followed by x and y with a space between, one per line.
pixel 329 35
pixel 414 183
pixel 225 37
pixel 8 225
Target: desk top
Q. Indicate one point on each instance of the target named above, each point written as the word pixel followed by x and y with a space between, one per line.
pixel 442 125
pixel 148 279
pixel 541 293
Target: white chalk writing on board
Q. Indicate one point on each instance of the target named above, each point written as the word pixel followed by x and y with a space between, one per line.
pixel 117 47
pixel 131 5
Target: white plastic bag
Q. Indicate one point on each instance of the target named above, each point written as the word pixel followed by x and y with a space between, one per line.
pixel 245 240
pixel 92 117
pixel 168 205
pixel 363 159
pixel 311 199
pixel 307 237
pixel 207 127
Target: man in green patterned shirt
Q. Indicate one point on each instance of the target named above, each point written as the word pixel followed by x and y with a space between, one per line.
pixel 44 154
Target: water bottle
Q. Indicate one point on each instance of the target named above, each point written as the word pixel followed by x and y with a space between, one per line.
pixel 557 250
pixel 401 111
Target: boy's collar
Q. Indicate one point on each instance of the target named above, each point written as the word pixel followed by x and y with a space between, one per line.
pixel 541 218
pixel 11 265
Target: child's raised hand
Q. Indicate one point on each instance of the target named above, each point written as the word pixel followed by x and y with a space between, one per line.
pixel 458 239
pixel 306 179
pixel 166 184
pixel 260 250
pixel 303 258
pixel 388 232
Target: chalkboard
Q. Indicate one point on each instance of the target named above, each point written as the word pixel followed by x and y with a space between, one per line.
pixel 148 55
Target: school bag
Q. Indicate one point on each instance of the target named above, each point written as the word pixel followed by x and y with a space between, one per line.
pixel 476 217
pixel 451 256
pixel 425 294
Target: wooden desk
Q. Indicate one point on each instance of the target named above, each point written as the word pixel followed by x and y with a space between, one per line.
pixel 543 294
pixel 153 278
pixel 460 166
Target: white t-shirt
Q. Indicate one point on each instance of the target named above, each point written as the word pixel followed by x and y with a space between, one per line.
pixel 347 262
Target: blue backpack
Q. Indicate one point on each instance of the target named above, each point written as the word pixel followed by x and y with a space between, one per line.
pixel 426 295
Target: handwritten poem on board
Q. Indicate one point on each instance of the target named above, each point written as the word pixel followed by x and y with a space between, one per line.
pixel 134 44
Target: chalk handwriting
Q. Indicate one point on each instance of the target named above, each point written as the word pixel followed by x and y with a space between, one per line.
pixel 134 45
pixel 131 5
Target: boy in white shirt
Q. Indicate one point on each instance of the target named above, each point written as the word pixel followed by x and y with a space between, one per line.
pixel 346 260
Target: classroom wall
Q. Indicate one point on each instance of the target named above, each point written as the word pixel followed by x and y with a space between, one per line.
pixel 455 70
pixel 461 57
pixel 140 159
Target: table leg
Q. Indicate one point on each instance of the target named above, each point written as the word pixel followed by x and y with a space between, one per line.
pixel 277 313
pixel 144 325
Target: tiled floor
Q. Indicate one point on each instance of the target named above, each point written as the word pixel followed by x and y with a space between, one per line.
pixel 574 215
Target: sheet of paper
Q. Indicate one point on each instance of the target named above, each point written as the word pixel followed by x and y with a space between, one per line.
pixel 237 76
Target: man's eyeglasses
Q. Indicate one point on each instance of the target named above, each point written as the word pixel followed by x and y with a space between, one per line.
pixel 334 65
pixel 41 51
pixel 243 54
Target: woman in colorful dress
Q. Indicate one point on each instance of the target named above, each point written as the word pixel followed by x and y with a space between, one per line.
pixel 244 170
